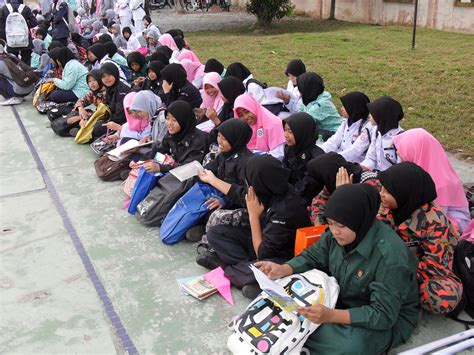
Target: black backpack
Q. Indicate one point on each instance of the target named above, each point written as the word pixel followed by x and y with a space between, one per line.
pixel 21 73
pixel 463 267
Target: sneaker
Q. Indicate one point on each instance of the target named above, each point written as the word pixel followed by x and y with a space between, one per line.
pixel 73 131
pixel 12 101
pixel 251 291
pixel 209 260
pixel 195 234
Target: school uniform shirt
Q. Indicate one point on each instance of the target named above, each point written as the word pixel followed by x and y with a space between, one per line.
pixel 59 22
pixel 122 8
pixel 73 78
pixel 295 99
pixel 254 89
pixel 133 43
pixel 279 222
pixel 117 58
pixel 107 59
pixel 114 100
pixel 382 154
pixel 376 279
pixel 323 110
pixel 126 132
pixel 352 142
pixel 232 171
pixel 193 146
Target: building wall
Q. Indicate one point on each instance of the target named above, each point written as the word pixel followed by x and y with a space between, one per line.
pixel 438 14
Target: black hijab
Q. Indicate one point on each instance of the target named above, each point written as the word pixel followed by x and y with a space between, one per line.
pixel 356 207
pixel 110 48
pixel 310 85
pixel 267 176
pixel 179 42
pixel 184 114
pixel 410 185
pixel 176 33
pixel 295 67
pixel 98 49
pixel 387 112
pixel 136 57
pixel 42 31
pixel 55 44
pixel 304 129
pixel 231 88
pixel 213 65
pixel 237 133
pixel 159 55
pixel 355 104
pixel 111 69
pixel 238 70
pixel 156 66
pixel 165 50
pixel 324 169
pixel 126 30
pixel 174 74
pixel 105 38
pixel 95 73
pixel 62 55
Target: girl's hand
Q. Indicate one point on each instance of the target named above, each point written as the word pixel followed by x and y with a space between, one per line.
pixel 145 139
pixel 138 81
pixel 151 167
pixel 166 86
pixel 254 206
pixel 213 203
pixel 113 126
pixel 282 96
pixel 112 138
pixel 72 120
pixel 317 313
pixel 206 176
pixel 343 178
pixel 82 122
pixel 273 270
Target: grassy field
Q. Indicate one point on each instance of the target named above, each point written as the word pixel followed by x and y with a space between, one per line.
pixel 434 82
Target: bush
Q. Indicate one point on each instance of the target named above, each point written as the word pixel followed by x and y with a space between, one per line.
pixel 268 10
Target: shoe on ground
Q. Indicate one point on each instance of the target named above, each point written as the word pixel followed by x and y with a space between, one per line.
pixel 251 291
pixel 195 234
pixel 12 101
pixel 209 260
pixel 73 131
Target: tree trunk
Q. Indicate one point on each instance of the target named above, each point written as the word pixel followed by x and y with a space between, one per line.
pixel 332 13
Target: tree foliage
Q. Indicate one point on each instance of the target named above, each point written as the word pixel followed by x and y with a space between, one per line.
pixel 269 10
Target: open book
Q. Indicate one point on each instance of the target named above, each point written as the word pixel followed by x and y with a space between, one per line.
pixel 124 150
pixel 186 171
pixel 199 288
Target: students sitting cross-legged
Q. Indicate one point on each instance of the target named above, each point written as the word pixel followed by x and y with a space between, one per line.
pixel 300 134
pixel 226 173
pixel 408 193
pixel 352 138
pixel 378 299
pixel 275 212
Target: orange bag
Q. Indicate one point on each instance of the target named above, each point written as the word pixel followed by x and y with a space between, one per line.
pixel 305 237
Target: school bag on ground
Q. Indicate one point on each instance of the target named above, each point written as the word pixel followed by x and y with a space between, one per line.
pixel 84 135
pixel 42 95
pixel 187 212
pixel 16 28
pixel 144 183
pixel 110 170
pixel 265 328
pixel 463 267
pixel 154 207
pixel 21 73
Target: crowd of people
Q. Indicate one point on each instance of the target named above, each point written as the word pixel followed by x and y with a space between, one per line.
pixel 286 159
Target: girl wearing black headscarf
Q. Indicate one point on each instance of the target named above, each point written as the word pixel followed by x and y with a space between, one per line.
pixel 153 80
pixel 300 134
pixel 115 92
pixel 385 113
pixel 252 86
pixel 408 193
pixel 352 138
pixel 95 53
pixel 183 142
pixel 72 84
pixel 318 103
pixel 275 212
pixel 177 87
pixel 294 69
pixel 160 55
pixel 138 68
pixel 112 52
pixel 378 293
pixel 324 170
pixel 213 65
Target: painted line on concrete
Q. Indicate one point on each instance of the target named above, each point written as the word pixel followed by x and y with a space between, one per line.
pixel 113 317
pixel 21 193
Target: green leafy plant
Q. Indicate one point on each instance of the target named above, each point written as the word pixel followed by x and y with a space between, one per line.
pixel 269 10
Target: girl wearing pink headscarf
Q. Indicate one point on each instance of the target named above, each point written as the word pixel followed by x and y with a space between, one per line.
pixel 420 147
pixel 267 136
pixel 187 54
pixel 195 72
pixel 136 109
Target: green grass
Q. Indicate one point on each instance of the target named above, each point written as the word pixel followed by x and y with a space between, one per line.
pixel 434 82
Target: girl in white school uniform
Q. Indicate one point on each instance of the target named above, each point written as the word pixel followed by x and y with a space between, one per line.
pixel 122 8
pixel 241 72
pixel 352 138
pixel 294 69
pixel 386 114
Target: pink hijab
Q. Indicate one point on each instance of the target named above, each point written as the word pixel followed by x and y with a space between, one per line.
pixel 208 101
pixel 134 124
pixel 167 40
pixel 187 54
pixel 193 69
pixel 420 147
pixel 268 131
